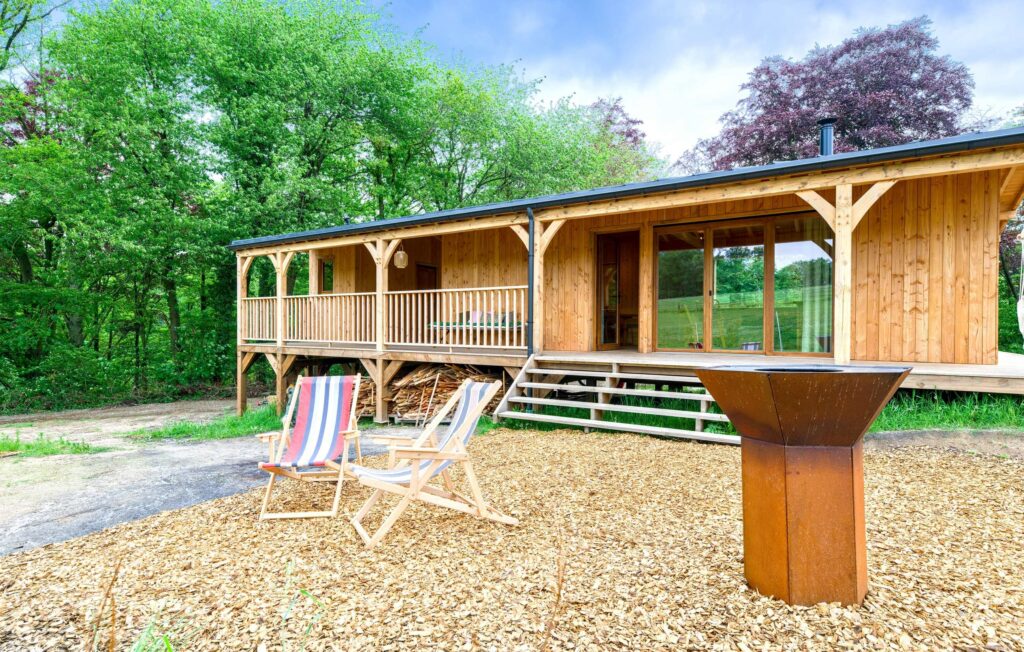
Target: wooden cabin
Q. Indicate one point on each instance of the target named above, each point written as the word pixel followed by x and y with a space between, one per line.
pixel 886 255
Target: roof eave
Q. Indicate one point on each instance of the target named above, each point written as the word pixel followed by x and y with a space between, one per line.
pixel 956 144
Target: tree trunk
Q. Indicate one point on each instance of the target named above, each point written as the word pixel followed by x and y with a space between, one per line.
pixel 76 329
pixel 173 314
pixel 25 274
pixel 202 291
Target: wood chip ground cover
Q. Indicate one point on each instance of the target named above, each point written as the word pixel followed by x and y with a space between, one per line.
pixel 647 532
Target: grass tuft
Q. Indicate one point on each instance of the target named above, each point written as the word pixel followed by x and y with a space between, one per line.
pixel 262 419
pixel 42 447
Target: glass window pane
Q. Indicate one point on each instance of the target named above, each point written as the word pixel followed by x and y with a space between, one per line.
pixel 803 285
pixel 681 290
pixel 738 303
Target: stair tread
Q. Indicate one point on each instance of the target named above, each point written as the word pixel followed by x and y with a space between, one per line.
pixel 615 407
pixel 620 391
pixel 627 427
pixel 692 380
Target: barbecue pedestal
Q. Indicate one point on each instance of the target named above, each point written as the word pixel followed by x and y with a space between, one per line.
pixel 803 478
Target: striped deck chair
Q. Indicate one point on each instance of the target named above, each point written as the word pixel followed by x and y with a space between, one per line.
pixel 428 459
pixel 316 449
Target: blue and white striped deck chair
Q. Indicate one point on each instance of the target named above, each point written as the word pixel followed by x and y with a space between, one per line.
pixel 429 458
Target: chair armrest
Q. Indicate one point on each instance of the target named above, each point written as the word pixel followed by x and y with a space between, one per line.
pixel 392 440
pixel 268 436
pixel 413 453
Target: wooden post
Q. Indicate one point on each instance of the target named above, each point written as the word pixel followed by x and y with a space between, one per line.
pixel 843 218
pixel 281 261
pixel 281 364
pixel 843 280
pixel 646 304
pixel 538 287
pixel 241 291
pixel 381 251
pixel 244 360
pixel 315 273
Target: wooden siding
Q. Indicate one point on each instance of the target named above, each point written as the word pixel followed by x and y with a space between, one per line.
pixel 925 272
pixel 494 257
pixel 569 267
pixel 925 265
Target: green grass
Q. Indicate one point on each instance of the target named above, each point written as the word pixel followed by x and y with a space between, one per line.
pixel 16 426
pixel 925 410
pixel 42 447
pixel 909 410
pixel 263 419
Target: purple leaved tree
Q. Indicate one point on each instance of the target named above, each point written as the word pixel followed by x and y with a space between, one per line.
pixel 885 87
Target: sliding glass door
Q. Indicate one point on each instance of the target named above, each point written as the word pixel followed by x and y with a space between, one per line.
pixel 680 305
pixel 737 297
pixel 748 285
pixel 803 286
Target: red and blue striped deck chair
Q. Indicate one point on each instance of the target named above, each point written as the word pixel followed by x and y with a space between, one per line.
pixel 316 448
pixel 428 458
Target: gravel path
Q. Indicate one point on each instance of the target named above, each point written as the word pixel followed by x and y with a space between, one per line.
pixel 49 499
pixel 643 553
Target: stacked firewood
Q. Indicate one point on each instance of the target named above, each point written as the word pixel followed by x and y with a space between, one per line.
pixel 418 395
pixel 366 406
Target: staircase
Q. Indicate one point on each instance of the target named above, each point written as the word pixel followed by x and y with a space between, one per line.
pixel 598 390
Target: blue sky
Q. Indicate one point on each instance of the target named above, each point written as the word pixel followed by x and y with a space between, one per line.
pixel 678 65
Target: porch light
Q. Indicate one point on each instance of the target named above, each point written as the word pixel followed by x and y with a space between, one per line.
pixel 401 258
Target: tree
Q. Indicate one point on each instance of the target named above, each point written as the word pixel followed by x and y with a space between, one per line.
pixel 16 18
pixel 152 132
pixel 884 86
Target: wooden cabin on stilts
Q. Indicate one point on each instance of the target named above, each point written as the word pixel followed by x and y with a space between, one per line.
pixel 589 298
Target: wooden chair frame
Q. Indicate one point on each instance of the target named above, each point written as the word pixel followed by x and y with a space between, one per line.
pixel 425 447
pixel 278 443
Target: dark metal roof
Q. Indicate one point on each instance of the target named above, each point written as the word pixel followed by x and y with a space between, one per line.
pixel 954 144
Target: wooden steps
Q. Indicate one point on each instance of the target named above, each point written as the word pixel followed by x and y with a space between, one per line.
pixel 646 393
pixel 616 407
pixel 600 389
pixel 626 427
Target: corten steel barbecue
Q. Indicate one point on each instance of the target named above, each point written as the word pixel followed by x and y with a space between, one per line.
pixel 803 477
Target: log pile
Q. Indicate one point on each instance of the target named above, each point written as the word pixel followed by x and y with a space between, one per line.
pixel 418 395
pixel 366 406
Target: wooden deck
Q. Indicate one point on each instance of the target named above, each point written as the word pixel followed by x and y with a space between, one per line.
pixel 1005 377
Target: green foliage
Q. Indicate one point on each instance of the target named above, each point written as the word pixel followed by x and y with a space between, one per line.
pixel 253 422
pixel 42 447
pixel 1010 338
pixel 150 133
pixel 928 410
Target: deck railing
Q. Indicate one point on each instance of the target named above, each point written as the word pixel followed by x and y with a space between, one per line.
pixel 334 318
pixel 471 318
pixel 463 318
pixel 259 323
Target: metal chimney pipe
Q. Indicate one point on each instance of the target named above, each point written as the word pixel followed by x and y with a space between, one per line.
pixel 826 135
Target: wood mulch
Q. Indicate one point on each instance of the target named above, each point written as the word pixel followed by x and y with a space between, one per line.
pixel 626 542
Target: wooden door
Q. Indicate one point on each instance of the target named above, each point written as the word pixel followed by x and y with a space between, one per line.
pixel 426 277
pixel 608 291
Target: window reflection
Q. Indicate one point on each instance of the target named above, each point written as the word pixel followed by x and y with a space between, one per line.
pixel 803 285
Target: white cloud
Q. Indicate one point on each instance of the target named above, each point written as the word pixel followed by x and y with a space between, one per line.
pixel 678 65
pixel 693 59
